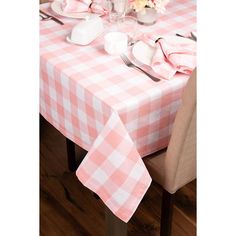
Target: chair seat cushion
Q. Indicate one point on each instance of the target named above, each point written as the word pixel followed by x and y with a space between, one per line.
pixel 155 166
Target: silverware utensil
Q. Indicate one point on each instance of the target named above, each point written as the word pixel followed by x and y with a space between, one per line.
pixel 158 39
pixel 192 37
pixel 49 17
pixel 45 17
pixel 130 64
pixel 180 35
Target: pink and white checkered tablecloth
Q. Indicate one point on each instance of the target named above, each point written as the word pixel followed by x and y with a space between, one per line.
pixel 116 113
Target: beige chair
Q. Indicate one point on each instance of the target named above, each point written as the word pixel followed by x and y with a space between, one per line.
pixel 176 166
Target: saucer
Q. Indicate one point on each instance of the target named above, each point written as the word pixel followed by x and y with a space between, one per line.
pixel 68 39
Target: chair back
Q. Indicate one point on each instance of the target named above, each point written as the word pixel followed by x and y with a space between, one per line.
pixel 180 159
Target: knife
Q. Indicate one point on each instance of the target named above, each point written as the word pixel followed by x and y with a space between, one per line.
pixel 52 17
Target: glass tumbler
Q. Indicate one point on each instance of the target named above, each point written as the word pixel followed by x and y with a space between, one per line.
pixel 129 26
pixel 117 9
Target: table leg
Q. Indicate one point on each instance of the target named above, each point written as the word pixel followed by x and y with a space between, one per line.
pixel 166 213
pixel 114 226
pixel 71 157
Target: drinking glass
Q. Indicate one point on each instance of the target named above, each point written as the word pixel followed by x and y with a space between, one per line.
pixel 129 26
pixel 117 9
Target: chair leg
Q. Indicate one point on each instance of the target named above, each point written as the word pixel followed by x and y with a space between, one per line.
pixel 71 159
pixel 166 213
pixel 114 226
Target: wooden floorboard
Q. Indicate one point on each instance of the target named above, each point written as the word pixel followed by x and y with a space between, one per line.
pixel 68 208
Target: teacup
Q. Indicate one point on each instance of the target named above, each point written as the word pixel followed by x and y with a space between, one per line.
pixel 115 43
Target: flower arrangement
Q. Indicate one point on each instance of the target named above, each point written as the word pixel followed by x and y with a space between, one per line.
pixel 139 5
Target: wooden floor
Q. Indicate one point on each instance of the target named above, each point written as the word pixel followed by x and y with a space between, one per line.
pixel 68 208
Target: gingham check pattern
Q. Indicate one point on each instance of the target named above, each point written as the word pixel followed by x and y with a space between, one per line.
pixel 116 113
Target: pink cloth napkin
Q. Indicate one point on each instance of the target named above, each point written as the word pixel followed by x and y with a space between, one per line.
pixel 95 6
pixel 172 54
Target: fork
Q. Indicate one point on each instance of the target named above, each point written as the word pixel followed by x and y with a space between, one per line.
pixel 130 64
pixel 192 37
pixel 45 17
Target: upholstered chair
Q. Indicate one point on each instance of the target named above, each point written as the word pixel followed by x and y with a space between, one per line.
pixel 176 166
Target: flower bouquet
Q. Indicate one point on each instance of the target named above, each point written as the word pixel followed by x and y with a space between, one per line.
pixel 147 9
pixel 158 5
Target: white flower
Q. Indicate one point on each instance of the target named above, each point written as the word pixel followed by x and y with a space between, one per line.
pixel 139 5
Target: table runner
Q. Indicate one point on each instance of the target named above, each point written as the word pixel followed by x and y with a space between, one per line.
pixel 114 112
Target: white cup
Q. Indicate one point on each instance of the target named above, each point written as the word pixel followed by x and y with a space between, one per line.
pixel 115 43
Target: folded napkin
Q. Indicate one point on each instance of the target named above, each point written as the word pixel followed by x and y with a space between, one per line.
pixel 74 6
pixel 172 54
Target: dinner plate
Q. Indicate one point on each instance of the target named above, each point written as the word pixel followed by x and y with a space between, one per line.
pixel 144 52
pixel 56 6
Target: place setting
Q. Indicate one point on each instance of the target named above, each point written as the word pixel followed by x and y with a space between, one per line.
pixel 117 21
pixel 165 55
pixel 78 9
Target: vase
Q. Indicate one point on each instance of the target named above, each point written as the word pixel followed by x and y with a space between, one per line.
pixel 147 16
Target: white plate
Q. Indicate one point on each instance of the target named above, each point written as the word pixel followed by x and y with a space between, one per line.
pixel 56 7
pixel 144 52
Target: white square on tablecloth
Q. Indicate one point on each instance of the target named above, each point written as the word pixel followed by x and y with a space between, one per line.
pixel 116 158
pixel 66 104
pixel 100 176
pixel 121 196
pixel 53 93
pixel 136 172
pixel 68 126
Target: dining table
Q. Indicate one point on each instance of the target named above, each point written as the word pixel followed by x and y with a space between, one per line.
pixel 116 113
